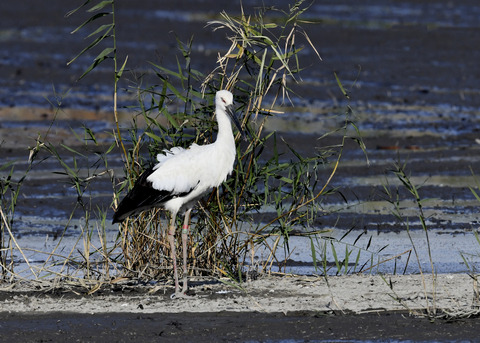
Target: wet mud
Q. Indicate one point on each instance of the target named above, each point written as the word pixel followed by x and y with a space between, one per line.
pixel 233 327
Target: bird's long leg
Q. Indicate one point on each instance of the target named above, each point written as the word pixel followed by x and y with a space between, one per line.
pixel 185 229
pixel 171 240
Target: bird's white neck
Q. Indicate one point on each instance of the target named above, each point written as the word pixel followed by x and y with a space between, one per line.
pixel 225 132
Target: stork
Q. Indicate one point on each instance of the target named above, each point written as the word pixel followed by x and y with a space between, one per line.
pixel 182 176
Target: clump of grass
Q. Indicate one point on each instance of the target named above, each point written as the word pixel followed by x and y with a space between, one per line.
pixel 399 170
pixel 352 258
pixel 10 189
pixel 471 267
pixel 218 246
pixel 7 209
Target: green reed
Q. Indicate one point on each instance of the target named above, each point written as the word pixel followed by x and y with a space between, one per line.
pixel 400 171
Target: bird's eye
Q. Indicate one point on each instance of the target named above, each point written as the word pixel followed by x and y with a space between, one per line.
pixel 223 100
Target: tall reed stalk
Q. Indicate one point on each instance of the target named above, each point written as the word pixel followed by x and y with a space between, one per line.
pixel 399 170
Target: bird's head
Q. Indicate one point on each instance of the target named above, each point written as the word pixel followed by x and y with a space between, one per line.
pixel 224 101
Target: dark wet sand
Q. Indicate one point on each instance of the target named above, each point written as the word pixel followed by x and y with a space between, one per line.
pixel 231 327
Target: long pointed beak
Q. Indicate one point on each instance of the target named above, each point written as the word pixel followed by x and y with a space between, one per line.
pixel 233 116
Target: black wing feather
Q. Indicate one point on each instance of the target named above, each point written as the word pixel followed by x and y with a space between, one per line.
pixel 142 197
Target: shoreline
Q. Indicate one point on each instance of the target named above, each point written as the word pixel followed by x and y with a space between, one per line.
pixel 456 294
pixel 358 308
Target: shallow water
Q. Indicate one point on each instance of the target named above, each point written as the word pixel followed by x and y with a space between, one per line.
pixel 410 70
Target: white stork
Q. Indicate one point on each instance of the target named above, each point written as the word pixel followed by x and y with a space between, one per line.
pixel 182 176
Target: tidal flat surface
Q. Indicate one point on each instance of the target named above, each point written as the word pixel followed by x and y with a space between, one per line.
pixel 410 70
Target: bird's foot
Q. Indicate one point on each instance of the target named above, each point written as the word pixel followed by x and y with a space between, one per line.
pixel 184 293
pixel 179 295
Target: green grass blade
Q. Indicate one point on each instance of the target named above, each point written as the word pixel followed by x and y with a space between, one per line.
pixel 91 19
pixel 100 5
pixel 90 46
pixel 344 92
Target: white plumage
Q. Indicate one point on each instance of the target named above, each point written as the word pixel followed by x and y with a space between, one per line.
pixel 182 176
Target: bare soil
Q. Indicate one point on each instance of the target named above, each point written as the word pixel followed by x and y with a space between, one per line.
pixel 275 308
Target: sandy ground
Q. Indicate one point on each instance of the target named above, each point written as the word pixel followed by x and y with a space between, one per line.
pixel 294 308
pixel 343 294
